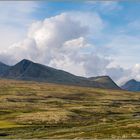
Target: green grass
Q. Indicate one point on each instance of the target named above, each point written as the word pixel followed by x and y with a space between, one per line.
pixel 42 110
pixel 7 124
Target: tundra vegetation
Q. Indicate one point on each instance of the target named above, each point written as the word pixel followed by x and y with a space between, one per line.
pixel 43 110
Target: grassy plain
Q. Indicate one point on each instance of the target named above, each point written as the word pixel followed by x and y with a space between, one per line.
pixel 43 110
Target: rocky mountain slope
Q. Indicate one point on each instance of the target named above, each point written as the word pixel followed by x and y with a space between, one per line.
pixel 28 70
pixel 131 85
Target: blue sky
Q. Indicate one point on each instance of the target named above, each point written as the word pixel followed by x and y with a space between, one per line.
pixel 118 15
pixel 105 35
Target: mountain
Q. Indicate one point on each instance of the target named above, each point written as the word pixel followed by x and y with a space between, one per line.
pixel 28 70
pixel 3 68
pixel 131 85
pixel 106 81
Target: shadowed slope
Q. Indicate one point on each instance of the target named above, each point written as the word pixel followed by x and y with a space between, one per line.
pixel 132 85
pixel 3 68
pixel 105 80
pixel 28 70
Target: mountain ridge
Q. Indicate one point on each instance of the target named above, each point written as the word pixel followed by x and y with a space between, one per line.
pixel 131 85
pixel 106 80
pixel 3 68
pixel 31 71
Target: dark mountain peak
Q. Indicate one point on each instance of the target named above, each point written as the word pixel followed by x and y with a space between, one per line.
pixel 106 76
pixel 2 64
pixel 23 64
pixel 28 70
pixel 3 68
pixel 105 80
pixel 18 69
pixel 132 81
pixel 132 85
pixel 25 61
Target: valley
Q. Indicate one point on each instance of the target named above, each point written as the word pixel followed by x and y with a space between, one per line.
pixel 44 110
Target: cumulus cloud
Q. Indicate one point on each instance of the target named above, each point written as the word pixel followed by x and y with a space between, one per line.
pixel 121 75
pixel 136 72
pixel 59 41
pixel 62 42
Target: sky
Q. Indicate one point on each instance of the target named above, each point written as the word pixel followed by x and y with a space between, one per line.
pixel 86 38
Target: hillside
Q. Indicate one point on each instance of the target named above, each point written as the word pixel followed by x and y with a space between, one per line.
pixel 105 80
pixel 42 110
pixel 131 85
pixel 30 71
pixel 3 68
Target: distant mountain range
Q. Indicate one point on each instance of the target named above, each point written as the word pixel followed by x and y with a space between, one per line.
pixel 131 85
pixel 30 71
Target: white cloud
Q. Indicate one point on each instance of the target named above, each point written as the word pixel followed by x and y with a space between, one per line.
pixel 10 35
pixel 105 6
pixel 136 72
pixel 125 55
pixel 95 65
pixel 62 42
pixel 125 48
pixel 92 20
pixel 15 16
pixel 110 5
pixel 122 75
